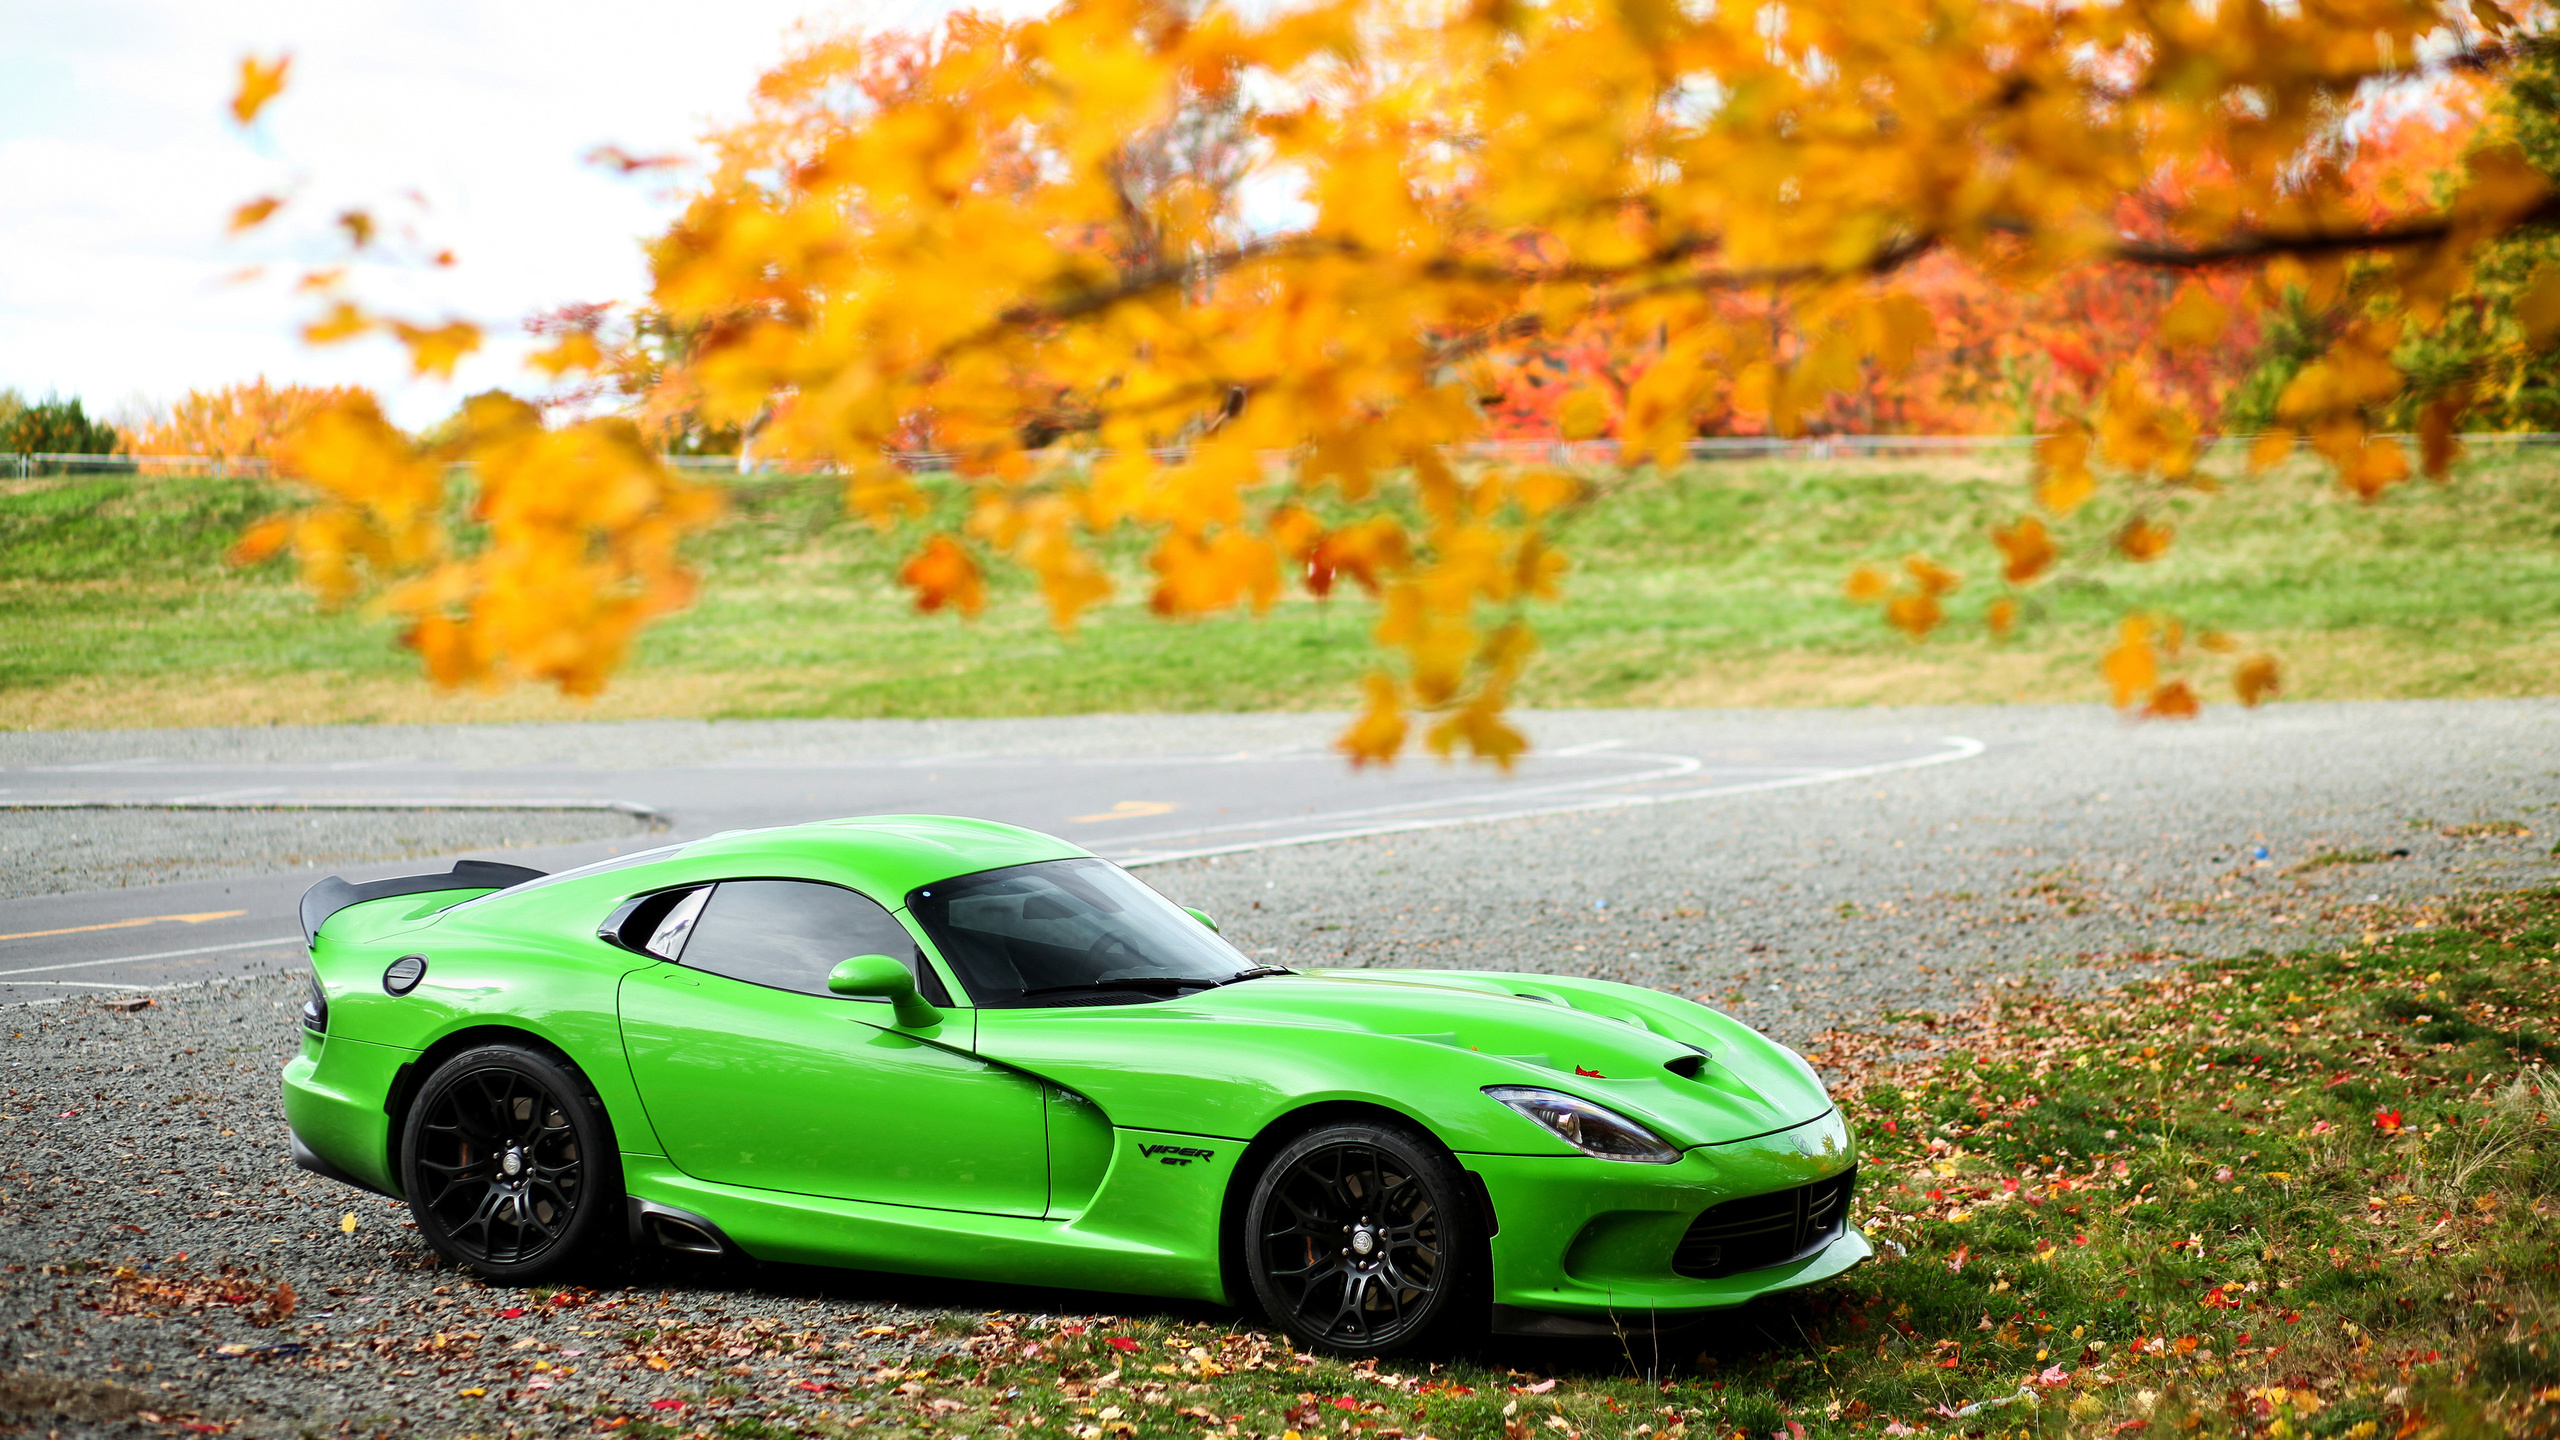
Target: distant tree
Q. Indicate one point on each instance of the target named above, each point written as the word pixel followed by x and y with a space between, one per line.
pixel 239 422
pixel 57 427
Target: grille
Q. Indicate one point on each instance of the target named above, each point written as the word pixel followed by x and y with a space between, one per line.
pixel 1765 1230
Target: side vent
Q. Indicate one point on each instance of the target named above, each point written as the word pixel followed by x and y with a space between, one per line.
pixel 1685 1066
pixel 669 1228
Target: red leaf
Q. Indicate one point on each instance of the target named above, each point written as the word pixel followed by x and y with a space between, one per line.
pixel 666 1404
pixel 1122 1342
pixel 511 1313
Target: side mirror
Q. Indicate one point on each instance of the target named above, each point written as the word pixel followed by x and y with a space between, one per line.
pixel 879 977
pixel 1203 917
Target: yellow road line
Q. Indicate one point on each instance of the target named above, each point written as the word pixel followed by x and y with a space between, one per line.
pixel 1126 810
pixel 127 924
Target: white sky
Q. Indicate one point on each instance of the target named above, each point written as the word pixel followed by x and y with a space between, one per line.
pixel 119 166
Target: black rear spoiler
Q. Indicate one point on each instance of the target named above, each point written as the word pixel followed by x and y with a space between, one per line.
pixel 333 894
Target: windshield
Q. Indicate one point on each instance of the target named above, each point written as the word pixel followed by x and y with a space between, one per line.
pixel 1069 932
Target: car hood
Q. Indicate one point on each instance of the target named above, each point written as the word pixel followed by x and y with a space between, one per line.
pixel 1429 1041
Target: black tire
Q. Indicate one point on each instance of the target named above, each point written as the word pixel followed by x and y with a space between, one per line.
pixel 1363 1239
pixel 510 1164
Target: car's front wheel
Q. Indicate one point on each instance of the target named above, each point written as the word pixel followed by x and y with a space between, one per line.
pixel 1362 1239
pixel 508 1162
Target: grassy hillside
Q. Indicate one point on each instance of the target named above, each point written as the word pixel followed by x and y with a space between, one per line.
pixel 1717 584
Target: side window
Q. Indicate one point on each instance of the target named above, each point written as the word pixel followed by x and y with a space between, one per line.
pixel 790 933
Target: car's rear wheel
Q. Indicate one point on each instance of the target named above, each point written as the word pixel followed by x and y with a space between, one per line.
pixel 509 1165
pixel 1362 1239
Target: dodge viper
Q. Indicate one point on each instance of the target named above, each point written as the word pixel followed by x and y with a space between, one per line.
pixel 956 1048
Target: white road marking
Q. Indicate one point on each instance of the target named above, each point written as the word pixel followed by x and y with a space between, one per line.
pixel 160 955
pixel 1962 748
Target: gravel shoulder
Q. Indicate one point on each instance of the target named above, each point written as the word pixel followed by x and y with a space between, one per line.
pixel 149 1216
pixel 54 852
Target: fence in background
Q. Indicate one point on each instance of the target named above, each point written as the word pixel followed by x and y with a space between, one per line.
pixel 1514 452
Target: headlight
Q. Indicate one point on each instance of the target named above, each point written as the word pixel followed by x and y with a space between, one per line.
pixel 1587 1127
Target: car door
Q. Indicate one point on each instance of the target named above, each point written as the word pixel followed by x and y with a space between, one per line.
pixel 755 1075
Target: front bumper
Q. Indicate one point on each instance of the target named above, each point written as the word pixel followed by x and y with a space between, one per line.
pixel 1584 1246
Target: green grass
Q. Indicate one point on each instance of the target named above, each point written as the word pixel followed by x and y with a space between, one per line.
pixel 2283 1196
pixel 1715 584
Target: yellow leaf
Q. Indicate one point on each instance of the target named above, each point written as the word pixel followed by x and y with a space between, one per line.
pixel 343 322
pixel 347 1226
pixel 576 350
pixel 2271 448
pixel 1543 490
pixel 1867 584
pixel 1583 414
pixel 1379 732
pixel 2194 320
pixel 2063 481
pixel 259 83
pixel 2491 18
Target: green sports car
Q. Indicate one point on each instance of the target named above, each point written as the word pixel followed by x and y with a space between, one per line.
pixel 951 1047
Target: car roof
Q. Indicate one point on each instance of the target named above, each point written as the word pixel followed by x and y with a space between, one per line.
pixel 883 855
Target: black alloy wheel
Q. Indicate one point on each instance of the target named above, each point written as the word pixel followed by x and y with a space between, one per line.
pixel 508 1163
pixel 1361 1239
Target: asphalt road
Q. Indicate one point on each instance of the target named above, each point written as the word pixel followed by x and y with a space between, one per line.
pixel 1132 790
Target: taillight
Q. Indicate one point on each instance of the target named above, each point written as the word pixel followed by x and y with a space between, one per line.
pixel 315 1010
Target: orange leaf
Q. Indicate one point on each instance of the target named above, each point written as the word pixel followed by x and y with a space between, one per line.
pixel 1932 577
pixel 943 574
pixel 2173 701
pixel 2132 668
pixel 2002 617
pixel 2257 678
pixel 1915 615
pixel 2538 309
pixel 2063 481
pixel 2438 443
pixel 255 213
pixel 2029 548
pixel 343 322
pixel 1379 732
pixel 262 541
pixel 437 351
pixel 2143 542
pixel 359 227
pixel 1867 584
pixel 2271 448
pixel 258 85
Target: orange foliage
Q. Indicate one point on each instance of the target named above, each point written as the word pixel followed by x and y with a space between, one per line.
pixel 1026 244
pixel 241 422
